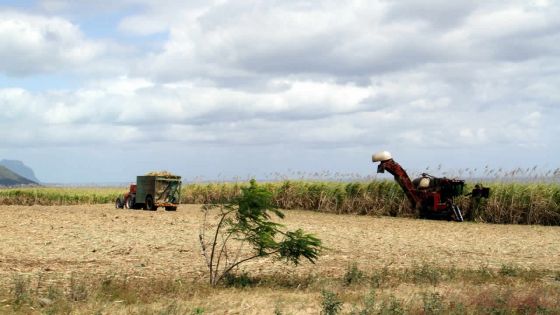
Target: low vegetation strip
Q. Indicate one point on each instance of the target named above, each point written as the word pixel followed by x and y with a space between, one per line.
pixel 511 203
pixel 420 289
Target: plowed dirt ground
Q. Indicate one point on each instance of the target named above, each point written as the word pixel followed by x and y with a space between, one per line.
pixel 101 239
pixel 96 240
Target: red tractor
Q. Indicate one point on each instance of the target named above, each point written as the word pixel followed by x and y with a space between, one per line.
pixel 127 200
pixel 432 197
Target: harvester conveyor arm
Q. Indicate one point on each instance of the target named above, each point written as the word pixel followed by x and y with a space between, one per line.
pixel 401 177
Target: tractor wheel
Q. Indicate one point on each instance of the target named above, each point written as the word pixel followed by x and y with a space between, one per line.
pixel 172 208
pixel 130 203
pixel 119 204
pixel 150 204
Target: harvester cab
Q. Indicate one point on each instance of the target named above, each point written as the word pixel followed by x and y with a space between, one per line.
pixel 433 197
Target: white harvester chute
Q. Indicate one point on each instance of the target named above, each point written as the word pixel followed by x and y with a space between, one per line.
pixel 381 156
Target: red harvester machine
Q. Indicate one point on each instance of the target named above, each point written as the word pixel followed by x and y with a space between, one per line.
pixel 432 197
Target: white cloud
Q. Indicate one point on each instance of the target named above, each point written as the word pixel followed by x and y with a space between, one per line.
pixel 473 136
pixel 15 104
pixel 31 44
pixel 343 39
pixel 142 25
pixel 437 75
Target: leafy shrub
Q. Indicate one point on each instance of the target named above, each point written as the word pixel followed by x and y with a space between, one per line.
pixel 247 221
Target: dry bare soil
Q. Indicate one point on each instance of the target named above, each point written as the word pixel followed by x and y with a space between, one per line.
pixel 97 241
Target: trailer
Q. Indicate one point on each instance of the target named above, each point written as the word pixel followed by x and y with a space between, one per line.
pixel 151 192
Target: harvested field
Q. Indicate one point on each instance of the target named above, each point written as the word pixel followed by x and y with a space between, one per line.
pixel 94 241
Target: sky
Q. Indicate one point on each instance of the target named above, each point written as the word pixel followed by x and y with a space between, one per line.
pixel 102 91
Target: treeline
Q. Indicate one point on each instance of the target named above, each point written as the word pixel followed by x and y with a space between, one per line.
pixel 513 203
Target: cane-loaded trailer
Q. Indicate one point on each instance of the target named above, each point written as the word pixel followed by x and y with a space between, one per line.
pixel 152 191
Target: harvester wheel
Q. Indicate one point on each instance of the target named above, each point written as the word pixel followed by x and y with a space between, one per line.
pixel 171 208
pixel 150 204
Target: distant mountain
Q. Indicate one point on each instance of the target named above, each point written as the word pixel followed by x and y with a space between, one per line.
pixel 19 168
pixel 9 178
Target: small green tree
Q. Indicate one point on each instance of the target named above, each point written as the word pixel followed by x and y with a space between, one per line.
pixel 244 231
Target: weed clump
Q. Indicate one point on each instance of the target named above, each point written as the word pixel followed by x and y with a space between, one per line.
pixel 20 291
pixel 379 277
pixel 331 304
pixel 368 307
pixel 239 280
pixel 392 306
pixel 509 270
pixel 425 273
pixel 433 303
pixel 77 290
pixel 353 274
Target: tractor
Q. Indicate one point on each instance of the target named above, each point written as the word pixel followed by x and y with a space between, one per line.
pixel 152 191
pixel 432 197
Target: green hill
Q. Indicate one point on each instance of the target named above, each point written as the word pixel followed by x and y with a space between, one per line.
pixel 9 178
pixel 19 168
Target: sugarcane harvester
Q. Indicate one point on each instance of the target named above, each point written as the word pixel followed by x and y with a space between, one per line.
pixel 432 197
